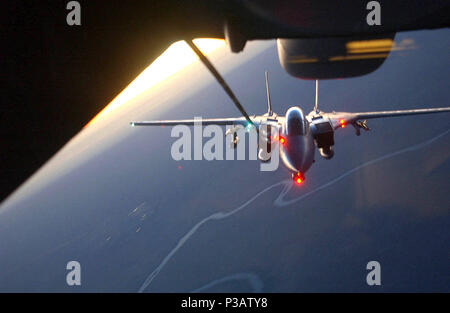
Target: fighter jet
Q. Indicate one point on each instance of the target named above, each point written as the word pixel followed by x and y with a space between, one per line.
pixel 299 134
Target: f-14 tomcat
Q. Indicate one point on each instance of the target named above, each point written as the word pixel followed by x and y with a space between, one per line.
pixel 299 134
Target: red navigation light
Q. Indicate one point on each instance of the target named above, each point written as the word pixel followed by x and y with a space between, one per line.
pixel 282 140
pixel 298 178
pixel 342 123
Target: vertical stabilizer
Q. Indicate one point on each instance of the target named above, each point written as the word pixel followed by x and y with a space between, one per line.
pixel 316 105
pixel 269 104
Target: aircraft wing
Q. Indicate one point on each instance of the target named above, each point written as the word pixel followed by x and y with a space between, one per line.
pixel 190 122
pixel 340 119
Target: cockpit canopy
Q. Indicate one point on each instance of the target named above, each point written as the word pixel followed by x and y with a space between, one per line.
pixel 295 122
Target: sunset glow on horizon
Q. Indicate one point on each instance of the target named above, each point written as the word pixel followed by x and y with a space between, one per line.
pixel 177 57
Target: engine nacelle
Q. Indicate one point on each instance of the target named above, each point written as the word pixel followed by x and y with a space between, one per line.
pixel 263 156
pixel 324 138
pixel 326 152
pixel 265 138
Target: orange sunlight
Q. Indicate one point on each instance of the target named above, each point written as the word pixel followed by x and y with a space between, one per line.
pixel 177 57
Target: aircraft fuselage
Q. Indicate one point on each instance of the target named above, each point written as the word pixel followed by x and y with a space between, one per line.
pixel 297 151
